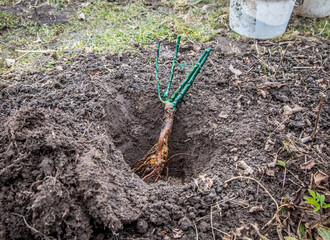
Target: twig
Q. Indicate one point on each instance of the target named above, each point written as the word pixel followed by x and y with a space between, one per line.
pixel 256 229
pixel 277 218
pixel 306 67
pixel 211 219
pixel 320 220
pixel 285 51
pixel 21 56
pixel 257 48
pixel 228 235
pixel 31 228
pixel 35 51
pixel 318 115
pixel 326 23
pixel 279 232
pixel 303 184
pixel 240 177
pixel 196 229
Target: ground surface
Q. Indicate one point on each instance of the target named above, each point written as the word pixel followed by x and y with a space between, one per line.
pixel 71 127
pixel 69 135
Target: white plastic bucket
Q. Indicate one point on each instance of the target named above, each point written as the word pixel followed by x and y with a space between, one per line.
pixel 314 8
pixel 260 19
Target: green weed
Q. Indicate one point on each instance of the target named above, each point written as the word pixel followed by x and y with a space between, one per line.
pixel 8 20
pixel 316 200
pixel 115 27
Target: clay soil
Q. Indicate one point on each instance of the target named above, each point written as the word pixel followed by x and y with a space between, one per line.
pixel 69 136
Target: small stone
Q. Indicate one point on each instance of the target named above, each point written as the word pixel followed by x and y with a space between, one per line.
pixel 142 226
pixel 204 226
pixel 135 86
pixel 184 224
pixel 81 16
pixel 219 189
pixel 154 219
pixel 10 62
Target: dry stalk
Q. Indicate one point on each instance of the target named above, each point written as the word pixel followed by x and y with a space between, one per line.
pixel 35 51
pixel 277 219
pixel 224 233
pixel 318 115
pixel 285 51
pixel 31 228
pixel 263 63
pixel 211 219
pixel 195 229
pixel 240 177
pixel 256 229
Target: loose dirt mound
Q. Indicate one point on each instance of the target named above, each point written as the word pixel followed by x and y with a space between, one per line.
pixel 69 136
pixel 59 180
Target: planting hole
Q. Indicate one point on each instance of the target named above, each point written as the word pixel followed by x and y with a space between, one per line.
pixel 135 121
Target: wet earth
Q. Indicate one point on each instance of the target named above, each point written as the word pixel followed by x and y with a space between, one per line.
pixel 68 137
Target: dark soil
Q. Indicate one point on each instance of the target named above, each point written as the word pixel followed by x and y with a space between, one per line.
pixel 40 12
pixel 68 138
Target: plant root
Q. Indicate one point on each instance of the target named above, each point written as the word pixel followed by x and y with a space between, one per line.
pixel 153 163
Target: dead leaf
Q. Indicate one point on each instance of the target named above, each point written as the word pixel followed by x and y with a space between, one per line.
pixel 319 178
pixel 269 85
pixel 262 93
pixel 269 146
pixel 319 148
pixel 293 148
pixel 274 162
pixel 263 87
pixel 324 232
pixel 308 216
pixel 256 209
pixel 178 233
pixel 288 111
pixel 239 231
pixel 234 70
pixel 307 165
pixel 270 172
